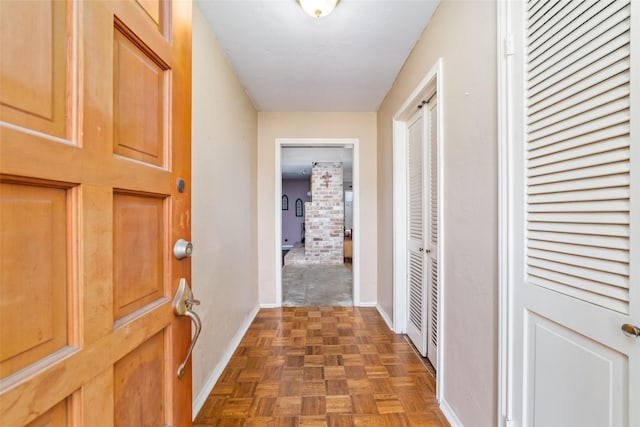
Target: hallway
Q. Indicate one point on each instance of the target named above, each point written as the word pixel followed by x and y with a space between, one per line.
pixel 328 366
pixel 317 285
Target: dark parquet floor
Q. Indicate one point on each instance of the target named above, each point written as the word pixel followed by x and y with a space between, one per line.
pixel 322 366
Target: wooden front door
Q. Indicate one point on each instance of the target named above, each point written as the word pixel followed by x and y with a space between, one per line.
pixel 95 109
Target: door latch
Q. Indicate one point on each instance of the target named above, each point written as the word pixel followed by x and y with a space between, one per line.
pixel 630 330
pixel 182 304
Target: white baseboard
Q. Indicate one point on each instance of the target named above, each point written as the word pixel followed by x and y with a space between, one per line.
pixel 201 397
pixel 385 316
pixel 269 305
pixel 367 304
pixel 450 414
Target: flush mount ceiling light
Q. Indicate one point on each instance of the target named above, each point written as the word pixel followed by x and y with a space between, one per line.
pixel 318 8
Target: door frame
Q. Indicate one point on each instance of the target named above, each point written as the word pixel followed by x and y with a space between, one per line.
pixel 318 142
pixel 505 215
pixel 430 85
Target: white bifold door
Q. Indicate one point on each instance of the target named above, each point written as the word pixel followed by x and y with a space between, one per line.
pixel 575 213
pixel 423 231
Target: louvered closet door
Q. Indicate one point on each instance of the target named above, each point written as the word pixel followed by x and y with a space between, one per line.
pixel 417 321
pixel 577 278
pixel 432 232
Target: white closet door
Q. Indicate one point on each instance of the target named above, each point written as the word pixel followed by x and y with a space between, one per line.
pixel 576 228
pixel 433 232
pixel 416 325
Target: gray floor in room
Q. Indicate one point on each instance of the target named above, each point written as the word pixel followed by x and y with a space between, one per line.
pixel 317 286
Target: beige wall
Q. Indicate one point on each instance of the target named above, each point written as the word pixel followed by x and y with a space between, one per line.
pixel 463 33
pixel 316 125
pixel 224 224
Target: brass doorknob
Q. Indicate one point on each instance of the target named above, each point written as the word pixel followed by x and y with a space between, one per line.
pixel 630 330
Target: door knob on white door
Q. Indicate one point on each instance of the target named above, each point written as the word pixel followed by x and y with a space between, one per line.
pixel 630 330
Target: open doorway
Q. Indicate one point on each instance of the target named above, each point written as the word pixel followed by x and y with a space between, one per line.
pixel 316 222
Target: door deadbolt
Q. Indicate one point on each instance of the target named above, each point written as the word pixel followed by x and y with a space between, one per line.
pixel 182 249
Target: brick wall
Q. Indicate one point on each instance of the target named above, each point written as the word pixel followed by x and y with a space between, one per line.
pixel 324 215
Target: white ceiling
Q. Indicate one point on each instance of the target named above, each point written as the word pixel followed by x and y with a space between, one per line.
pixel 296 161
pixel 289 61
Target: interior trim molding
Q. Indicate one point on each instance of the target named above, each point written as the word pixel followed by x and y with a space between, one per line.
pixel 385 316
pixel 269 305
pixel 366 304
pixel 505 52
pixel 201 397
pixel 450 414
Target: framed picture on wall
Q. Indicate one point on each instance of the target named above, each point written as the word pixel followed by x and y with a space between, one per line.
pixel 285 203
pixel 299 208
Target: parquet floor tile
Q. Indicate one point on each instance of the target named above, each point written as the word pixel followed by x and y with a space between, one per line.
pixel 322 366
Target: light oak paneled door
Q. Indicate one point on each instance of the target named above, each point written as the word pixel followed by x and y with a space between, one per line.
pixel 95 109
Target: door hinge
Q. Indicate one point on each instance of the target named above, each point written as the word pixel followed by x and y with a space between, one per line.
pixel 508 45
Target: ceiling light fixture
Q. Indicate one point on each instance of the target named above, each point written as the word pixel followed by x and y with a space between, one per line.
pixel 318 8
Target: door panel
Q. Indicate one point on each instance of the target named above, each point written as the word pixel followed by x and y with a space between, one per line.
pixel 154 9
pixel 89 211
pixel 559 355
pixel 433 230
pixel 139 385
pixel 140 87
pixel 58 416
pixel 417 295
pixel 33 242
pixel 575 229
pixel 34 65
pixel 138 239
pixel 424 230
